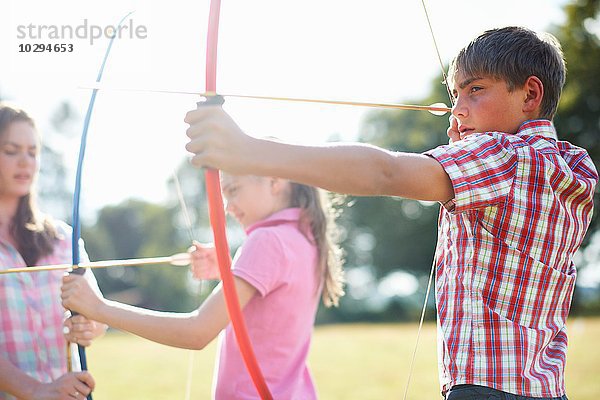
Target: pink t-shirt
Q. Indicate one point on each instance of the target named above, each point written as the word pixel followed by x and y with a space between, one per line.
pixel 281 263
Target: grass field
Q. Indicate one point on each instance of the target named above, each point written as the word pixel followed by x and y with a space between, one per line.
pixel 359 361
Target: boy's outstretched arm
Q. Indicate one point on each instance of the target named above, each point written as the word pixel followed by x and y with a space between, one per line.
pixel 353 168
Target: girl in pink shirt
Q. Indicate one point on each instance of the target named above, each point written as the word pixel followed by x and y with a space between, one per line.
pixel 288 261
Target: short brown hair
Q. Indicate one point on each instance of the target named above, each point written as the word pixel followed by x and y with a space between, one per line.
pixel 513 54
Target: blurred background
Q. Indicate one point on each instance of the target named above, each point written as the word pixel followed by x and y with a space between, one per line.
pixel 370 51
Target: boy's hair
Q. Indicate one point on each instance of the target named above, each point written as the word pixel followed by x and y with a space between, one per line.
pixel 513 54
pixel 318 216
pixel 34 233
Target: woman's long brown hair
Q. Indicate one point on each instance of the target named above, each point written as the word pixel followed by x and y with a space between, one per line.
pixel 33 232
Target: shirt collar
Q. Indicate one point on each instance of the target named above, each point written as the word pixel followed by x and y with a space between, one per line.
pixel 277 218
pixel 538 127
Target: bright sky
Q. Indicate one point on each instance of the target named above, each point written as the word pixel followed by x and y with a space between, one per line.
pixel 369 50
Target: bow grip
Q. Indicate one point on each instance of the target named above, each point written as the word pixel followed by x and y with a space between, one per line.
pixel 212 100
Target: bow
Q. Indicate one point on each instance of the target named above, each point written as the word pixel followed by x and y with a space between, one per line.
pixel 76 236
pixel 217 214
pixel 215 203
pixel 217 219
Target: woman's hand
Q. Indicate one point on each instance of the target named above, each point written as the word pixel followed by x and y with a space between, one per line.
pixel 204 265
pixel 74 385
pixel 78 329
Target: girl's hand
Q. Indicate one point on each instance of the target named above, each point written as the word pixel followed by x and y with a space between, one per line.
pixel 78 329
pixel 452 130
pixel 77 295
pixel 74 385
pixel 204 264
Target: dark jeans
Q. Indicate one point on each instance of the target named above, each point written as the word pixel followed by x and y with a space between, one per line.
pixel 474 392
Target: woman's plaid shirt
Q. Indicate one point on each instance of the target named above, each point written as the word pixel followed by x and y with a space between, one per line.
pixel 505 273
pixel 31 314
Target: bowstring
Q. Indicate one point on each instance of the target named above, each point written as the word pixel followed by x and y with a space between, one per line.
pixel 437 51
pixel 424 309
pixel 184 208
pixel 414 354
pixel 192 236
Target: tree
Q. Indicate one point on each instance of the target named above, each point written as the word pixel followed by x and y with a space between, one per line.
pixel 389 233
pixel 578 118
pixel 135 229
pixel 394 233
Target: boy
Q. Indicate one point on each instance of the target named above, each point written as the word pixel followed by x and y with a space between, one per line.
pixel 516 204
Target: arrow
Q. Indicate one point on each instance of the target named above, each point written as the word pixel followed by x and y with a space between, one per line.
pixel 179 259
pixel 436 109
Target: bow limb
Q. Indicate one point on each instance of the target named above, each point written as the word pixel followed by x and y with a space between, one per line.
pixel 217 221
pixel 76 235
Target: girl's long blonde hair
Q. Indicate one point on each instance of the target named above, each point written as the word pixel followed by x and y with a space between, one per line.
pixel 319 217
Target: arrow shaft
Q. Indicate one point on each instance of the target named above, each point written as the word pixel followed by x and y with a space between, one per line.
pixel 96 264
pixel 396 106
pixel 343 103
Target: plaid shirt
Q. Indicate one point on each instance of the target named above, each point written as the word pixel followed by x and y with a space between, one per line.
pixel 505 273
pixel 31 314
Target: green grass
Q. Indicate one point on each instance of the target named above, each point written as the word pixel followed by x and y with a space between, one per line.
pixel 358 361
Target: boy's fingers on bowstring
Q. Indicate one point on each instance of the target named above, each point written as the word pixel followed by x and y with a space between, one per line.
pixel 452 130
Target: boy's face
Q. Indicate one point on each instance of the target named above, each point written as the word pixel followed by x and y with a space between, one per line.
pixel 485 104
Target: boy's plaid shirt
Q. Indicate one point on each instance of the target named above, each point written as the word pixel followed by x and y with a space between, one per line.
pixel 505 273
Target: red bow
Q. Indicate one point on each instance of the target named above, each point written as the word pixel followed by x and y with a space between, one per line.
pixel 217 221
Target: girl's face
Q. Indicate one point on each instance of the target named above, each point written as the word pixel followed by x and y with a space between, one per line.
pixel 19 159
pixel 250 199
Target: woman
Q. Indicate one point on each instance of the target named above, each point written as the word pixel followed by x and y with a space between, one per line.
pixel 33 359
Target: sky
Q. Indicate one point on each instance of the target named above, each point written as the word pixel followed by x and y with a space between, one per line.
pixel 367 50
